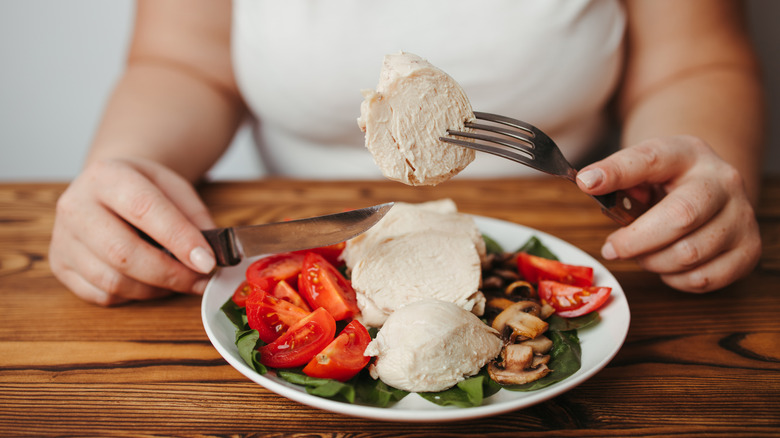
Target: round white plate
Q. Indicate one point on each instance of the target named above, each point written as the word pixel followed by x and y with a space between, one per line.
pixel 600 343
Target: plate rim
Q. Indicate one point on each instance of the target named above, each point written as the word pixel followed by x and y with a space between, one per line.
pixel 436 413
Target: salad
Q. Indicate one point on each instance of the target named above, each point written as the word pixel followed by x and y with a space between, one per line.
pixel 295 313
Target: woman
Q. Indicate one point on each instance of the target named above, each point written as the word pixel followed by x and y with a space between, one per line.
pixel 680 77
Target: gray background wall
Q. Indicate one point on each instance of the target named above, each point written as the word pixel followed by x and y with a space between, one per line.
pixel 60 59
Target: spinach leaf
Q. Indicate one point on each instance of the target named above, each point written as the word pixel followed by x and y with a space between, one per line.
pixel 467 393
pixel 247 341
pixel 559 324
pixel 327 388
pixel 491 246
pixel 236 314
pixel 361 388
pixel 534 246
pixel 376 392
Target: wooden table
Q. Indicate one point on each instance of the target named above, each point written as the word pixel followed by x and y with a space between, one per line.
pixel 692 364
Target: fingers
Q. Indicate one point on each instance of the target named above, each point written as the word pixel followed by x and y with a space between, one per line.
pixel 656 161
pixel 180 192
pixel 676 215
pixel 720 271
pixel 144 205
pixel 702 234
pixel 97 253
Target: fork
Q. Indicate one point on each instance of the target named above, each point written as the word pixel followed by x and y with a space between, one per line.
pixel 526 144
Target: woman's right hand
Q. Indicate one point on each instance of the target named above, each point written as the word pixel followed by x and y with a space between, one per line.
pixel 96 250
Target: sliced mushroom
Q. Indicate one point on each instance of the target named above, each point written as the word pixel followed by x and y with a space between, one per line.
pixel 547 311
pixel 520 321
pixel 518 365
pixel 540 344
pixel 522 289
pixel 500 303
pixel 540 360
pixel 516 357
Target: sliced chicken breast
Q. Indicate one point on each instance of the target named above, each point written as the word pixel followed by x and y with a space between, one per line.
pixel 415 266
pixel 431 345
pixel 413 105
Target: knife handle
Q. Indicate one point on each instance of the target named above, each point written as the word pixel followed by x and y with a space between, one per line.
pixel 621 207
pixel 222 242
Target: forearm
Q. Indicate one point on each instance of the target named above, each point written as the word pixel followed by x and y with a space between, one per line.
pixel 163 113
pixel 691 69
pixel 723 105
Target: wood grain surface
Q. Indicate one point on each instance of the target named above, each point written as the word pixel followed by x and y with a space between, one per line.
pixel 692 365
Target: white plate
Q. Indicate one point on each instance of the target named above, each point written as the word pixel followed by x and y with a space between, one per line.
pixel 600 343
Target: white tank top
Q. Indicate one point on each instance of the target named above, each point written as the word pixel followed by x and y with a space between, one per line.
pixel 300 65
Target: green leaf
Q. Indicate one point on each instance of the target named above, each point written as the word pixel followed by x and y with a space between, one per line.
pixel 376 392
pixel 247 342
pixel 565 360
pixel 491 246
pixel 467 393
pixel 326 388
pixel 560 324
pixel 236 314
pixel 534 246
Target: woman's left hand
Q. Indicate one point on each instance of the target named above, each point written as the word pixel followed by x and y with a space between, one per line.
pixel 702 235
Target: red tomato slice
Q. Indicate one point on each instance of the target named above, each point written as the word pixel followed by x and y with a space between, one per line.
pixel 330 253
pixel 241 293
pixel 284 291
pixel 322 285
pixel 270 316
pixel 300 342
pixel 343 358
pixel 535 269
pixel 570 301
pixel 266 272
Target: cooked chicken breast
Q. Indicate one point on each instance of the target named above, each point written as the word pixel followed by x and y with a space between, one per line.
pixel 403 218
pixel 431 345
pixel 413 105
pixel 415 266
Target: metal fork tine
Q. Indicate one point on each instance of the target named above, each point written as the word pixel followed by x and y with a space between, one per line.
pixel 519 155
pixel 507 121
pixel 526 144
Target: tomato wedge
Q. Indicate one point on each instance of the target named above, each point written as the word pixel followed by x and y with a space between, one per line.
pixel 241 293
pixel 270 316
pixel 535 269
pixel 284 291
pixel 570 301
pixel 322 285
pixel 343 358
pixel 330 253
pixel 300 342
pixel 267 271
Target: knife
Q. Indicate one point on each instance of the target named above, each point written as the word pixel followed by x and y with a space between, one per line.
pixel 232 244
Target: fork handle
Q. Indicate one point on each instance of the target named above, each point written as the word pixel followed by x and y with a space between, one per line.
pixel 621 207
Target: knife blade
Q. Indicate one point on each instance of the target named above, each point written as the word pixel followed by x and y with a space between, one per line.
pixel 233 244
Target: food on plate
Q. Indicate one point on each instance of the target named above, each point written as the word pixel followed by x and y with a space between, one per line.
pixel 418 251
pixel 524 355
pixel 404 217
pixel 572 301
pixel 301 341
pixel 413 105
pixel 431 345
pixel 343 358
pixel 422 276
pixel 536 268
pixel 323 286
